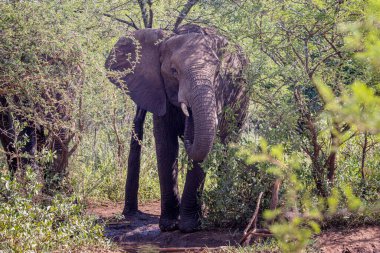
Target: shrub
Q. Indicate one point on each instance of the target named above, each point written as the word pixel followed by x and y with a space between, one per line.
pixel 30 221
pixel 232 187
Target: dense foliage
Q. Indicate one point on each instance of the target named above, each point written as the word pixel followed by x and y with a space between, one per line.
pixel 28 222
pixel 313 121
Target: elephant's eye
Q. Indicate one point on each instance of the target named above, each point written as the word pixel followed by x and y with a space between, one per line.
pixel 174 71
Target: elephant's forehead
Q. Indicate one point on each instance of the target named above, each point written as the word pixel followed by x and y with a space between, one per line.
pixel 189 48
pixel 191 41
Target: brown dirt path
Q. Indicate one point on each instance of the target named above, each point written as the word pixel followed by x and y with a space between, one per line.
pixel 361 239
pixel 142 234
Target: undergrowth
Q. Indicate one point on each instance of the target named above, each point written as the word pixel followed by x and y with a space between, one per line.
pixel 30 221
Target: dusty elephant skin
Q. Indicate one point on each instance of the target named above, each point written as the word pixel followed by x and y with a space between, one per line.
pixel 187 80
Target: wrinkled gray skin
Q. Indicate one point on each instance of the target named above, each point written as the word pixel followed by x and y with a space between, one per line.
pixel 186 80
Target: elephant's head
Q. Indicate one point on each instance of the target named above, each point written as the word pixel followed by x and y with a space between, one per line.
pixel 181 69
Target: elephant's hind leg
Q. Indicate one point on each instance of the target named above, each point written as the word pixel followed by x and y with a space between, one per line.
pixel 167 152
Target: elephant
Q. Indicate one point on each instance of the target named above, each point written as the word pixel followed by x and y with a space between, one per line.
pixel 192 81
pixel 44 122
pixel 33 138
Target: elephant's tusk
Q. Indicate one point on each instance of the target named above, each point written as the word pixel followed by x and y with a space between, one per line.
pixel 184 110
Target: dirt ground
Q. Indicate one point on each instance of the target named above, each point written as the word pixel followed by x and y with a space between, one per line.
pixel 362 239
pixel 142 234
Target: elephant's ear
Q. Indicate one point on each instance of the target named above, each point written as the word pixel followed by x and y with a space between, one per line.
pixel 134 62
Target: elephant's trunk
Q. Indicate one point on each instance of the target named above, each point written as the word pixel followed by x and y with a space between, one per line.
pixel 201 124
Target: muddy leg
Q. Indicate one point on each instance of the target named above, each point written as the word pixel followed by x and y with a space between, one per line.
pixel 167 152
pixel 190 205
pixel 132 183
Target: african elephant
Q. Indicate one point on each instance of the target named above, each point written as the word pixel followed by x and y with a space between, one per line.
pixel 33 138
pixel 192 81
pixel 44 120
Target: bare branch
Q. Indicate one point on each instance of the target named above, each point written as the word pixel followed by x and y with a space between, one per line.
pixel 131 24
pixel 150 22
pixel 144 14
pixel 297 54
pixel 311 72
pixel 251 229
pixel 364 153
pixel 253 220
pixel 185 10
pixel 275 193
pixel 338 52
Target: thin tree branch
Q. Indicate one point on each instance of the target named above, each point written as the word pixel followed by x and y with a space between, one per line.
pixel 144 14
pixel 131 24
pixel 185 10
pixel 311 73
pixel 364 153
pixel 253 220
pixel 338 52
pixel 349 138
pixel 251 229
pixel 150 21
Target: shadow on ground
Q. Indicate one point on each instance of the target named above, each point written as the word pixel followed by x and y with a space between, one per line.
pixel 141 233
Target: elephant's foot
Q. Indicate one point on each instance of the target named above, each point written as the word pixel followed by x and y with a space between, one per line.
pixel 168 224
pixel 190 224
pixel 130 212
pixel 169 215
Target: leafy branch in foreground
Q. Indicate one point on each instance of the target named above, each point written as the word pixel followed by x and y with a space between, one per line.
pixel 300 214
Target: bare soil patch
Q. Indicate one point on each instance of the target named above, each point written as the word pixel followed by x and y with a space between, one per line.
pixel 142 234
pixel 361 239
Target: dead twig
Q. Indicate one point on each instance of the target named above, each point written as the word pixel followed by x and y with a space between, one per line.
pixel 253 220
pixel 251 229
pixel 131 24
pixel 275 192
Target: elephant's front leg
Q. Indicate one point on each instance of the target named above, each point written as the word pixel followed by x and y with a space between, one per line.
pixel 190 204
pixel 167 152
pixel 132 183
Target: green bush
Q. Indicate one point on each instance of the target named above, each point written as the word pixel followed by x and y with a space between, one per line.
pixel 291 44
pixel 232 187
pixel 314 89
pixel 30 221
